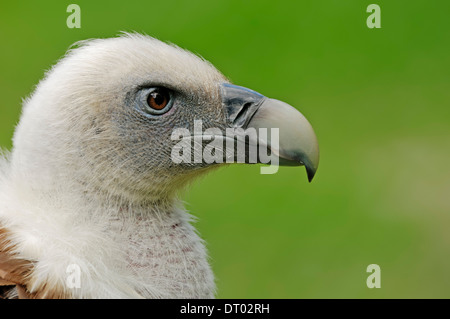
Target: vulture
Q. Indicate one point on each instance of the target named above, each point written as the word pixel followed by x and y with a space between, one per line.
pixel 90 192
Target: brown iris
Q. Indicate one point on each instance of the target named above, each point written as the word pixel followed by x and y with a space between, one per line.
pixel 158 99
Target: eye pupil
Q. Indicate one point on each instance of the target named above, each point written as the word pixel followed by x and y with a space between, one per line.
pixel 158 99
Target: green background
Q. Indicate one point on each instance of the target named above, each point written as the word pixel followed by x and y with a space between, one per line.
pixel 377 98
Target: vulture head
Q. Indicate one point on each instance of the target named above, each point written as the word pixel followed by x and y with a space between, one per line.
pixel 96 138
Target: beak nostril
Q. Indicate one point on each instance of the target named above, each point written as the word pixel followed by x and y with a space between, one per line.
pixel 242 114
pixel 240 104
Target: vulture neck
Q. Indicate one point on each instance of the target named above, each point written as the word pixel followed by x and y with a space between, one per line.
pixel 123 249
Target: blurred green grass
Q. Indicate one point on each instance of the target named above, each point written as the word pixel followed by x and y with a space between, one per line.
pixel 378 100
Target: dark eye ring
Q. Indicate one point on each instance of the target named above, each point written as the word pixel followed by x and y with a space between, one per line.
pixel 156 100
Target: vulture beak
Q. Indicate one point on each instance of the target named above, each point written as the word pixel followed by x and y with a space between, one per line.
pixel 297 143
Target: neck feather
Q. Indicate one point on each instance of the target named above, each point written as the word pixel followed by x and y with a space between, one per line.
pixel 121 249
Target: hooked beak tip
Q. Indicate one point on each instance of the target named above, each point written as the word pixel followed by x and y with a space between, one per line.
pixel 310 172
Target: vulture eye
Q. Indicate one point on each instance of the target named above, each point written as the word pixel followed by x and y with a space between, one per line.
pixel 156 100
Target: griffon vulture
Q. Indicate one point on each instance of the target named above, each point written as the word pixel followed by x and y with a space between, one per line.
pixel 88 194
